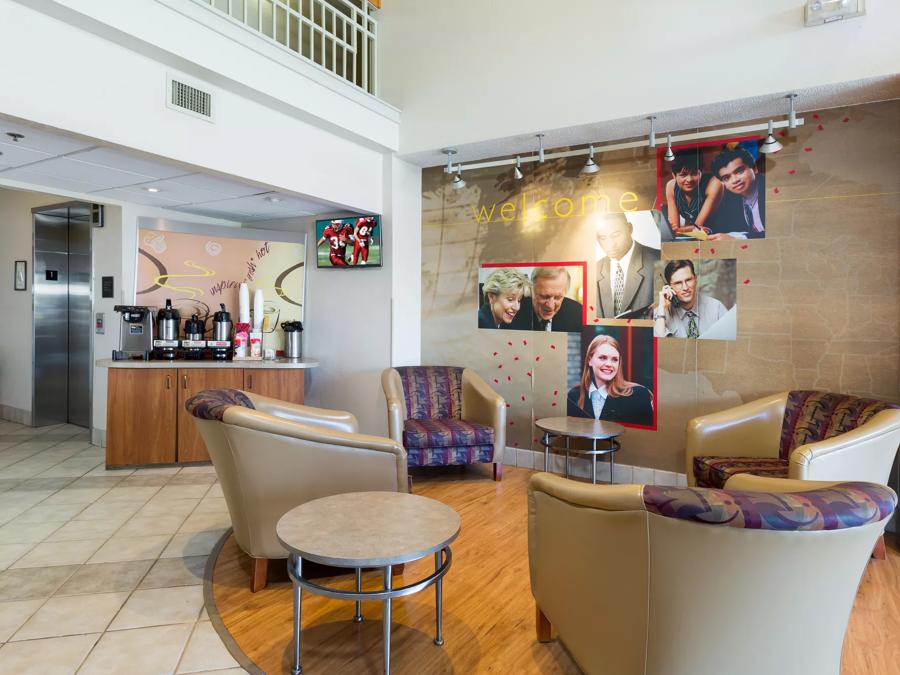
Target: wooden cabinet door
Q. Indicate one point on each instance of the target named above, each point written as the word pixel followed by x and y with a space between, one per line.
pixel 285 384
pixel 191 447
pixel 140 416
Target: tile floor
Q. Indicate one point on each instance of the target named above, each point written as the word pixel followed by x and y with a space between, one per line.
pixel 102 571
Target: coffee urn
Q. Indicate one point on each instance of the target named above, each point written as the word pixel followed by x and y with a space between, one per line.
pixel 222 329
pixel 293 333
pixel 168 321
pixel 194 337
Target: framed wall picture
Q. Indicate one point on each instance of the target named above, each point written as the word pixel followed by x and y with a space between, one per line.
pixel 20 276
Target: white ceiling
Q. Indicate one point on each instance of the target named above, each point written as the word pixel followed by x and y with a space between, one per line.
pixel 56 161
pixel 673 121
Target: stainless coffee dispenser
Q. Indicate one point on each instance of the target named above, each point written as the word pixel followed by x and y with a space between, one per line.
pixel 293 334
pixel 168 322
pixel 136 335
pixel 194 337
pixel 222 329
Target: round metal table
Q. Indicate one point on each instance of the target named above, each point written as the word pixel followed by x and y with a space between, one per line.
pixel 368 529
pixel 580 427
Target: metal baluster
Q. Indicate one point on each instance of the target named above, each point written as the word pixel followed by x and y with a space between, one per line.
pixel 387 621
pixel 438 603
pixel 298 596
pixel 357 618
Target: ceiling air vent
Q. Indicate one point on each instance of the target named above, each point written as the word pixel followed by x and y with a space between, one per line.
pixel 188 99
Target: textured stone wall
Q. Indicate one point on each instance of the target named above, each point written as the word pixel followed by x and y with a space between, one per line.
pixel 818 302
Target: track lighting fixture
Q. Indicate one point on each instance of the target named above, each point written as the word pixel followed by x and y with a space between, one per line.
pixel 771 144
pixel 517 172
pixel 651 140
pixel 792 115
pixel 540 138
pixel 14 136
pixel 449 152
pixel 590 166
pixel 458 183
pixel 669 156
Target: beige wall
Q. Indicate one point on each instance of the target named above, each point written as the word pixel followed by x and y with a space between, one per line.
pixel 817 299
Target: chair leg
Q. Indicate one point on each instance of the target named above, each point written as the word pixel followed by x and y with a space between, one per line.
pixel 259 574
pixel 498 471
pixel 880 551
pixel 544 628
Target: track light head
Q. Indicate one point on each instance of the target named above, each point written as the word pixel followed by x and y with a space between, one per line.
pixel 540 138
pixel 792 115
pixel 449 152
pixel 458 183
pixel 517 172
pixel 669 156
pixel 590 166
pixel 771 144
pixel 651 140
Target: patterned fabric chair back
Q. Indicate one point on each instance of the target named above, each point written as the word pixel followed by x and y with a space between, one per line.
pixel 211 404
pixel 432 392
pixel 812 416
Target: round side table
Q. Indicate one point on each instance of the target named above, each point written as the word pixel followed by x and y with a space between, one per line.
pixel 368 529
pixel 580 427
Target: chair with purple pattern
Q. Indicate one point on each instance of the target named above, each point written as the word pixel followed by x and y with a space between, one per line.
pixel 647 580
pixel 445 415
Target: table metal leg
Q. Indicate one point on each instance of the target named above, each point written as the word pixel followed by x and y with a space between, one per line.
pixel 357 618
pixel 387 622
pixel 438 602
pixel 594 462
pixel 567 456
pixel 298 591
pixel 612 465
pixel 546 451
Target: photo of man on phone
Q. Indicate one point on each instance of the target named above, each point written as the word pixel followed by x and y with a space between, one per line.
pixel 682 310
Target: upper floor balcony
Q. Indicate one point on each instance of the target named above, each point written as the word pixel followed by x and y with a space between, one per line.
pixel 339 36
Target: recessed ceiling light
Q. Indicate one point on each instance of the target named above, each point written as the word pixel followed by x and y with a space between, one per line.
pixel 16 137
pixel 152 189
pixel 273 199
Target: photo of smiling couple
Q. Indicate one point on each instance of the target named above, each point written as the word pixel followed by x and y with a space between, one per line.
pixel 530 296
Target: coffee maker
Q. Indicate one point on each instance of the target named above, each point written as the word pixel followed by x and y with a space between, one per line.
pixel 222 330
pixel 194 337
pixel 136 334
pixel 168 321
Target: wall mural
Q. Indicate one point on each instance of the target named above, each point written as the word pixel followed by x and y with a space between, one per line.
pixel 198 272
pixel 768 238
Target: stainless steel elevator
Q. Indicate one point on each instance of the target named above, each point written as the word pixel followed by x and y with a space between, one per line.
pixel 62 314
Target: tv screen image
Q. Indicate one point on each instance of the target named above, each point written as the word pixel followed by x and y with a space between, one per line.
pixel 349 242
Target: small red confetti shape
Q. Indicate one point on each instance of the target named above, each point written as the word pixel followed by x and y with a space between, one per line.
pixel 792 172
pixel 807 149
pixel 525 342
pixel 776 191
pixel 821 127
pixel 845 120
pixel 528 373
pixel 523 397
pixel 745 246
pixel 696 250
pixel 508 405
pixel 815 116
pixel 628 321
pixel 499 365
pixel 496 381
pixel 509 378
pixel 591 307
pixel 713 251
pixel 494 354
pixel 556 392
pixel 553 405
pixel 537 358
pixel 511 423
pixel 552 346
pixel 746 281
pixel 782 133
pixel 596 320
pixel 534 440
pixel 509 344
pixel 515 358
pixel 515 443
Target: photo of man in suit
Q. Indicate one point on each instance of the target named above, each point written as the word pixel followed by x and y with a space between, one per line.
pixel 745 192
pixel 625 274
pixel 548 308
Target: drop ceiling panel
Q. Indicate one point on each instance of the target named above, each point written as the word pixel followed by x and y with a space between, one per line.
pixel 116 159
pixel 71 169
pixel 51 182
pixel 17 155
pixel 43 141
pixel 138 196
pixel 220 186
pixel 213 213
pixel 176 190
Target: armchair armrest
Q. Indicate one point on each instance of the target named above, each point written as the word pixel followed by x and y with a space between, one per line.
pixel 396 403
pixel 483 405
pixel 865 453
pixel 747 482
pixel 603 497
pixel 749 430
pixel 339 420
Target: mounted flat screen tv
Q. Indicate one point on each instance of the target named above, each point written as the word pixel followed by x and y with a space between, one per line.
pixel 349 242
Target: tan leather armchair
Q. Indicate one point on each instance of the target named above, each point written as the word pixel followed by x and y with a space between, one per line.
pixel 798 434
pixel 445 415
pixel 271 456
pixel 610 567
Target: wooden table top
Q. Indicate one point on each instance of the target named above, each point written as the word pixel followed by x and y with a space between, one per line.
pixel 368 529
pixel 580 427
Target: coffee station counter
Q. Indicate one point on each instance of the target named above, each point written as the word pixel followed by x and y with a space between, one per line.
pixel 278 363
pixel 146 422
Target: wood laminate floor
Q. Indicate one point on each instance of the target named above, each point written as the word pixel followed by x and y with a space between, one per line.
pixel 488 608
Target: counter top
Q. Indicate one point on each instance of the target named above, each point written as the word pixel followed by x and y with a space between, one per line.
pixel 280 364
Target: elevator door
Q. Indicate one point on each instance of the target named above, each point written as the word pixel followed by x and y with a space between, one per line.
pixel 62 315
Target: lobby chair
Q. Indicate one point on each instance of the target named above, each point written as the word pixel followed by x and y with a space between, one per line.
pixel 652 580
pixel 271 456
pixel 445 415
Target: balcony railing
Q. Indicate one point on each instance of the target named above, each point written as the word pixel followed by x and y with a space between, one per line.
pixel 337 35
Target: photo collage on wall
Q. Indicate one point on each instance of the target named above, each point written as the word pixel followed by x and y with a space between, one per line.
pixel 711 191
